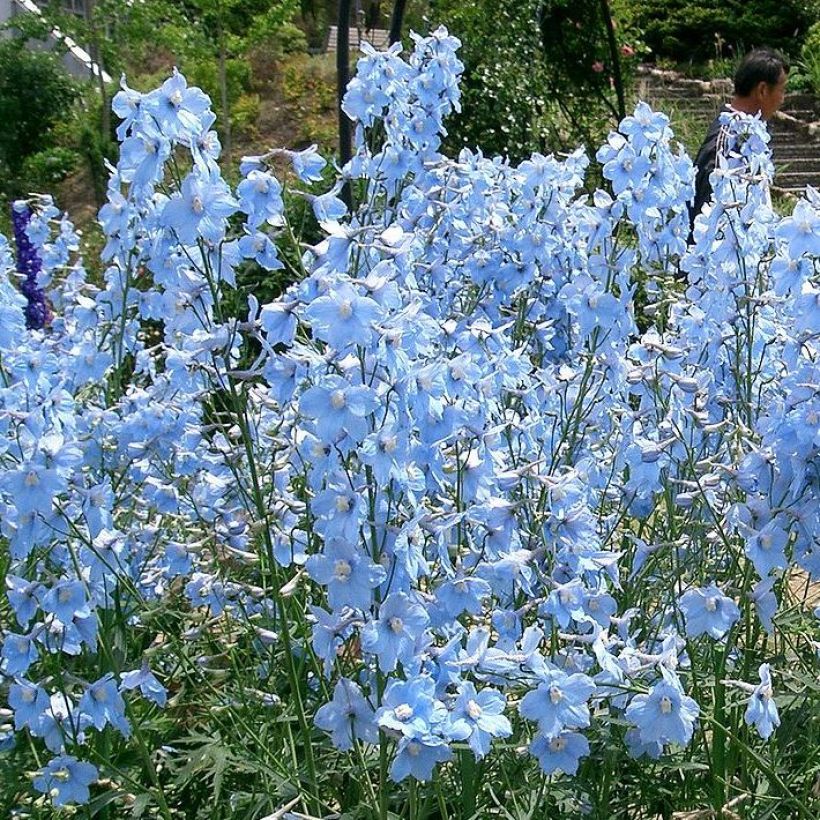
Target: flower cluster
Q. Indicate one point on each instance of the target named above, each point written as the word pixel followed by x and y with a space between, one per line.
pixel 445 456
pixel 29 264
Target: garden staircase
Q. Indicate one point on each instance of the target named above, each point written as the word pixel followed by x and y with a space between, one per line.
pixel 693 104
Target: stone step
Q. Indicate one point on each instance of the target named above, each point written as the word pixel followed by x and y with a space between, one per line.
pixel 797 180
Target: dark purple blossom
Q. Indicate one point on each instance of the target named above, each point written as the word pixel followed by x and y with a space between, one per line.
pixel 29 265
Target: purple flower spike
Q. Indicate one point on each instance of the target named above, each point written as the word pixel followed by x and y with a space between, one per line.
pixel 29 264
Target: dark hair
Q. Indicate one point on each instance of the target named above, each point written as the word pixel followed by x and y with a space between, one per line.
pixel 763 65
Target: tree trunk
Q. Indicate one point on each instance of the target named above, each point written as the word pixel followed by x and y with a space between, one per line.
pixel 223 87
pixel 615 57
pixel 342 79
pixel 95 53
pixel 397 20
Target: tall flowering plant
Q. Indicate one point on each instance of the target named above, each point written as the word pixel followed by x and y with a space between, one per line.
pixel 440 511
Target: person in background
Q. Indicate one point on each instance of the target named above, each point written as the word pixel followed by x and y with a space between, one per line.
pixel 760 86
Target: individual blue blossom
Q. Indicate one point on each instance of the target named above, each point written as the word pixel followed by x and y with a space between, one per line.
pixel 330 630
pixel 410 707
pixel 561 753
pixel 637 748
pixel 483 712
pixel 761 710
pixel 176 107
pixel 558 702
pixel 279 321
pixel 102 703
pixel 143 157
pixel 348 574
pixel 393 635
pixel 19 652
pixel 261 249
pixel 148 684
pixel 348 717
pixel 801 230
pixel 23 598
pixel 707 611
pixel 308 164
pixel 418 756
pixel 28 701
pixel 565 603
pixel 343 317
pixel 767 548
pixel 200 209
pixel 260 197
pixel 464 593
pixel 66 780
pixel 338 407
pixel 66 600
pixel 666 714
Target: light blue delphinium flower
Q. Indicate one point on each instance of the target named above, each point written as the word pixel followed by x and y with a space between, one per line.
pixel 559 702
pixel 201 208
pixel 708 611
pixel 28 701
pixel 347 572
pixel 761 711
pixel 348 716
pixel 560 753
pixel 483 712
pixel 102 703
pixel 145 680
pixel 666 714
pixel 392 637
pixel 66 780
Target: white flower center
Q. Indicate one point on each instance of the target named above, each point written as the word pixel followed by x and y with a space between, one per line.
pixel 388 444
pixel 196 205
pixel 396 624
pixel 556 695
pixel 711 604
pixel 342 504
pixel 404 711
pixel 345 309
pixel 666 705
pixel 342 570
pixel 337 399
pixel 473 710
pixel 558 744
pixel 176 98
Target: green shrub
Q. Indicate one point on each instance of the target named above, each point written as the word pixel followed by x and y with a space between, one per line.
pixel 810 58
pixel 35 94
pixel 45 168
pixel 245 114
pixel 694 30
pixel 538 73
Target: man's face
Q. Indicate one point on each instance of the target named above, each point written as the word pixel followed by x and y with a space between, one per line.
pixel 770 97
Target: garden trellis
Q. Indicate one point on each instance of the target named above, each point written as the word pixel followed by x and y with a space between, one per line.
pixel 442 500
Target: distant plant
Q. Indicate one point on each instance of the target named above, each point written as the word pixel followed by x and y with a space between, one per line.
pixel 27 117
pixel 697 30
pixel 538 75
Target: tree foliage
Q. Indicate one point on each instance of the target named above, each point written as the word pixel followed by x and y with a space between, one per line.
pixel 28 118
pixel 698 29
pixel 538 75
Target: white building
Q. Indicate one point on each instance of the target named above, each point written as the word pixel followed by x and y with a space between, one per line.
pixel 77 60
